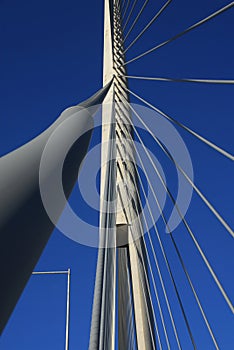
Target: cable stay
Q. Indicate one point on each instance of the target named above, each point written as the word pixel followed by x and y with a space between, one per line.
pixel 157 265
pixel 200 194
pixel 176 290
pixel 161 245
pixel 206 19
pixel 185 80
pixel 122 5
pixel 129 16
pixel 198 246
pixel 148 25
pixel 194 293
pixel 164 253
pixel 136 19
pixel 201 138
pixel 126 9
pixel 167 263
pixel 218 283
pixel 173 241
pixel 177 250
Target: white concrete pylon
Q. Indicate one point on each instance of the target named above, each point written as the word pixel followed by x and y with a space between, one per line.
pixel 102 335
pixel 118 181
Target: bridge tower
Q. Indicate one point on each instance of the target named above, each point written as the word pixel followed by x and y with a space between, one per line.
pixel 121 264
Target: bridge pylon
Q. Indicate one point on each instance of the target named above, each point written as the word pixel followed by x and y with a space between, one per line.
pixel 121 264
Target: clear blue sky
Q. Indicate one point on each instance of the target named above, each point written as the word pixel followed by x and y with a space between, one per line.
pixel 51 58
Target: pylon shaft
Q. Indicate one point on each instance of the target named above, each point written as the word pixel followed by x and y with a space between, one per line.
pixel 121 226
